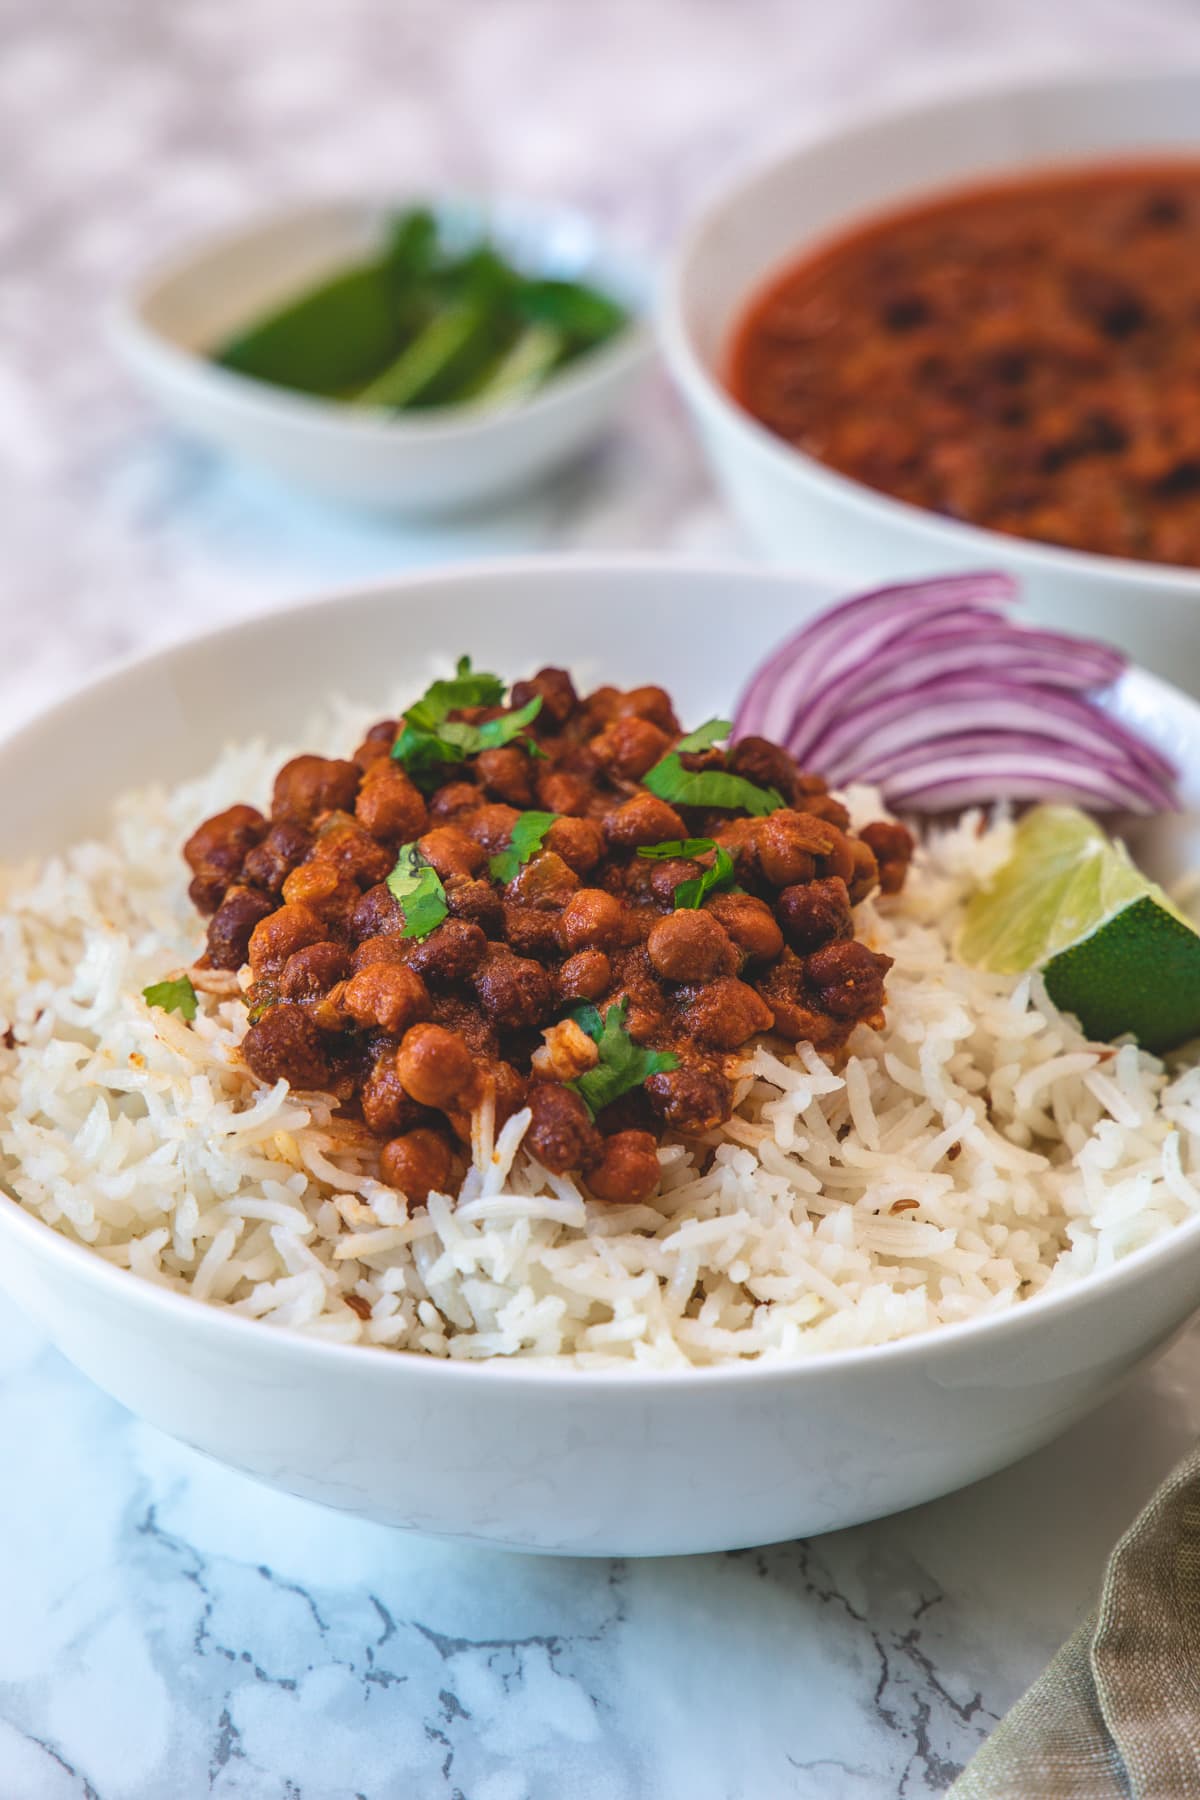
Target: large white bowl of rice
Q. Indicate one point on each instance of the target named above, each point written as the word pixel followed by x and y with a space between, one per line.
pixel 886 1276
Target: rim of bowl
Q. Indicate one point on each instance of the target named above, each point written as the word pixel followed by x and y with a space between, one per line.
pixel 201 1316
pixel 976 542
pixel 139 342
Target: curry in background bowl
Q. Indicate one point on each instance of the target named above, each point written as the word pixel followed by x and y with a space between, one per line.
pixel 1022 355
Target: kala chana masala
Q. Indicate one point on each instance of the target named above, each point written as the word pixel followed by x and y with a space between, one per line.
pixel 1022 356
pixel 560 903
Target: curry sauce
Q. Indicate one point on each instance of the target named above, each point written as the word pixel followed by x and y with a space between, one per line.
pixel 1023 356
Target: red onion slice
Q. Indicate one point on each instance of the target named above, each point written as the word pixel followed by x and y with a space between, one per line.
pixel 1008 660
pixel 968 703
pixel 929 690
pixel 971 757
pixel 1036 781
pixel 845 634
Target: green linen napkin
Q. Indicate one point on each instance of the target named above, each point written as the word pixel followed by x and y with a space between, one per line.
pixel 1116 1716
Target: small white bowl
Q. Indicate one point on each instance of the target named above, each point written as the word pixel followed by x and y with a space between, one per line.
pixel 794 507
pixel 422 463
pixel 553 1459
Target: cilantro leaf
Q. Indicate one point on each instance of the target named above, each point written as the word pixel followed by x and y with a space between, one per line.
pixel 528 835
pixel 587 1017
pixel 467 688
pixel 692 893
pixel 709 787
pixel 173 996
pixel 503 730
pixel 424 754
pixel 672 847
pixel 418 888
pixel 471 739
pixel 713 731
pixel 623 1064
pixel 429 739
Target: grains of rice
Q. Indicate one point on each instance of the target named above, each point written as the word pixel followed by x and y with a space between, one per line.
pixel 975 1151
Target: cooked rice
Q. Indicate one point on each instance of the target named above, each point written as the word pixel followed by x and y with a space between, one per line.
pixel 974 1152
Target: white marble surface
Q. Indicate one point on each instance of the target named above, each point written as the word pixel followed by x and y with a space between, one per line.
pixel 168 1629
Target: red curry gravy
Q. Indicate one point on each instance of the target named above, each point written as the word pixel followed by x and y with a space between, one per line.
pixel 1023 356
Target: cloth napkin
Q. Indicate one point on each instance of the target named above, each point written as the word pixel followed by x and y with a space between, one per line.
pixel 1116 1716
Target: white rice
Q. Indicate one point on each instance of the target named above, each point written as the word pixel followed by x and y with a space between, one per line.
pixel 974 1152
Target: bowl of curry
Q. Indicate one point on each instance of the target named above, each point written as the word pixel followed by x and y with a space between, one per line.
pixel 467 1095
pixel 969 330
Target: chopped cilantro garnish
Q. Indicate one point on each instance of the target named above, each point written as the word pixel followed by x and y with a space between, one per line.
pixel 720 876
pixel 692 893
pixel 713 731
pixel 528 835
pixel 709 787
pixel 173 996
pixel 587 1017
pixel 424 754
pixel 467 688
pixel 430 738
pixel 471 739
pixel 623 1064
pixel 672 847
pixel 418 888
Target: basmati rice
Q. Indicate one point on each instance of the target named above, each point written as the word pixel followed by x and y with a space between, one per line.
pixel 975 1151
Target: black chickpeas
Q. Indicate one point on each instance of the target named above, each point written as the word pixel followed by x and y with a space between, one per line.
pixel 482 928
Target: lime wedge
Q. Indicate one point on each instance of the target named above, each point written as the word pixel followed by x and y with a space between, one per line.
pixel 1112 948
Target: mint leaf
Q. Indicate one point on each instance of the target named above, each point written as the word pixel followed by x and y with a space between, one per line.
pixel 709 787
pixel 692 893
pixel 713 731
pixel 173 996
pixel 623 1064
pixel 418 888
pixel 672 847
pixel 527 838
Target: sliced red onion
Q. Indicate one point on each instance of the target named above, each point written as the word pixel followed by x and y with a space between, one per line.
pixel 847 634
pixel 973 753
pixel 1005 654
pixel 967 703
pixel 1037 781
pixel 932 693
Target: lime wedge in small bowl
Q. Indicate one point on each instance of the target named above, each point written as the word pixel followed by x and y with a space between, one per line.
pixel 1111 946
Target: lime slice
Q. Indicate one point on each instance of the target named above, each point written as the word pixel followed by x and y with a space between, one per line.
pixel 1112 948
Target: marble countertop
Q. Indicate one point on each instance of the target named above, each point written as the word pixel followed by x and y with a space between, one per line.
pixel 168 1629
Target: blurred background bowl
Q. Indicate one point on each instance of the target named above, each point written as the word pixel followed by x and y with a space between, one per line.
pixel 441 460
pixel 797 509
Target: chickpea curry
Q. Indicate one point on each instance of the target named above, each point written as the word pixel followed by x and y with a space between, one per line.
pixel 544 901
pixel 1021 356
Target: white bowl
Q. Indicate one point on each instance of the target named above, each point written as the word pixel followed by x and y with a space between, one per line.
pixel 794 507
pixel 433 462
pixel 535 1458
